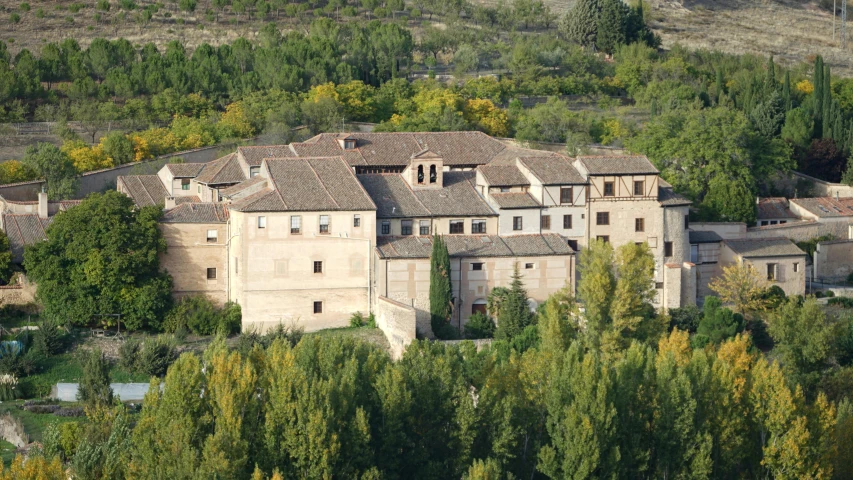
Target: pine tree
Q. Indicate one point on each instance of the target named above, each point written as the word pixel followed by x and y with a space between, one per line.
pixel 94 387
pixel 514 314
pixel 612 25
pixel 440 290
pixel 581 23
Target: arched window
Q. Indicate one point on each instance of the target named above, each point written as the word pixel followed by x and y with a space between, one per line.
pixel 432 174
pixel 420 174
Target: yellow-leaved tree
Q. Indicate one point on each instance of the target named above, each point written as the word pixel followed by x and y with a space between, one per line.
pixel 234 123
pixel 741 285
pixel 86 158
pixel 34 468
pixel 491 119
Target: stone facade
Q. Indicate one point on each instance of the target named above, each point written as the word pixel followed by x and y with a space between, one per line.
pixel 189 256
pixel 397 321
pixel 833 260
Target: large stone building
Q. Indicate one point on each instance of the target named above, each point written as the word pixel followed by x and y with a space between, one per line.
pixel 312 232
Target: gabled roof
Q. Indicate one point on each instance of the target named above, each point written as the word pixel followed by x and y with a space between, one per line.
pixel 245 188
pixel 475 246
pixel 394 197
pixel 765 247
pixel 24 230
pixel 503 176
pixel 667 196
pixel 512 200
pixel 618 165
pixel 704 237
pixel 825 207
pixel 222 171
pixel 144 189
pixel 773 207
pixel 308 184
pixel 185 170
pixel 553 170
pixel 196 213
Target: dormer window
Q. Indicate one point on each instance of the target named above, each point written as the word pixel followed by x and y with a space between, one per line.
pixel 254 171
pixel 420 174
pixel 349 144
pixel 432 174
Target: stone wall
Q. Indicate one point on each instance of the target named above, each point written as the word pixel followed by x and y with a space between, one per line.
pixel 801 231
pixel 833 261
pixel 397 322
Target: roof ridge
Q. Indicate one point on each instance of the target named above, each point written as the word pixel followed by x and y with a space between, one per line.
pixel 144 189
pixel 322 183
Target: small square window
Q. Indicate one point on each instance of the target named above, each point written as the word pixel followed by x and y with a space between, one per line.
pixel 771 272
pixel 639 187
pixel 280 268
pixel 262 222
pixel 603 238
pixel 295 224
pixel 686 222
pixel 318 267
pixel 211 274
pixel 185 184
pixel 324 224
pixel 254 171
pixel 546 222
pixel 477 266
pixel 406 227
pixel 478 226
pixel 567 221
pixel 529 266
pixel 516 223
pixel 639 224
pixel 212 236
pixel 609 189
pixel 796 267
pixel 505 189
pixel 457 226
pixel 318 307
pixel 566 195
pixel 424 227
pixel 386 227
pixel 667 249
pixel 356 221
pixel 602 218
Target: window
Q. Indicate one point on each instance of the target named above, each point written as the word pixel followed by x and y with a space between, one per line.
pixel 603 238
pixel 686 222
pixel 185 184
pixel 639 187
pixel 608 189
pixel 771 272
pixel 764 223
pixel 433 175
pixel 386 227
pixel 505 189
pixel 318 307
pixel 639 224
pixel 529 266
pixel 211 274
pixel 424 230
pixel 457 226
pixel 602 218
pixel 406 227
pixel 546 222
pixel 694 254
pixel 212 236
pixel 516 223
pixel 295 224
pixel 349 144
pixel 262 222
pixel 199 189
pixel 324 224
pixel 566 195
pixel 667 249
pixel 356 221
pixel 796 267
pixel 478 226
pixel 567 221
pixel 254 171
pixel 318 267
pixel 477 266
pixel 573 244
pixel 420 174
pixel 280 268
pixel 658 285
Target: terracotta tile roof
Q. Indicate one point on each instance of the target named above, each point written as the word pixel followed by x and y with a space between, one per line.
pixel 510 155
pixel 825 207
pixel 503 176
pixel 394 197
pixel 773 207
pixel 667 196
pixel 144 189
pixel 704 237
pixel 255 155
pixel 222 171
pixel 515 200
pixel 190 199
pixel 764 247
pixel 185 170
pixel 475 246
pixel 196 213
pixel 553 170
pixel 24 230
pixel 245 188
pixel 618 165
pixel 308 184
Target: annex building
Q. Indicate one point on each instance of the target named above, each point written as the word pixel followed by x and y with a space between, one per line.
pixel 311 232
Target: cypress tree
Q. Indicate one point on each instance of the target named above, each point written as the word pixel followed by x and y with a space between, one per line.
pixel 786 91
pixel 826 91
pixel 94 389
pixel 581 23
pixel 612 25
pixel 817 97
pixel 720 86
pixel 770 78
pixel 514 314
pixel 440 290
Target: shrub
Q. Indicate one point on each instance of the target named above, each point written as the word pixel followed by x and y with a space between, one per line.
pixel 75 7
pixel 128 354
pixel 15 18
pixel 829 294
pixel 248 340
pixel 69 19
pixel 818 294
pixel 24 7
pixel 96 17
pixel 844 302
pixel 103 5
pixel 718 323
pixel 356 320
pixel 61 440
pixel 199 315
pixel 40 13
pixel 479 326
pixel 685 318
pixel 16 363
pixel 49 339
pixel 156 355
pixel 94 388
pixel 9 388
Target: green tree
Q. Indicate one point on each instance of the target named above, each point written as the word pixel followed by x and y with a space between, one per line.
pixel 803 336
pixel 596 285
pixel 440 290
pixel 94 389
pixel 5 258
pixel 101 258
pixel 717 324
pixel 49 163
pixel 612 25
pixel 514 313
pixel 118 147
pixel 631 309
pixel 580 24
pixel 798 127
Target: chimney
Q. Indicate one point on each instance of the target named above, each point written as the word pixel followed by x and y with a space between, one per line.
pixel 170 203
pixel 42 203
pixel 836 195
